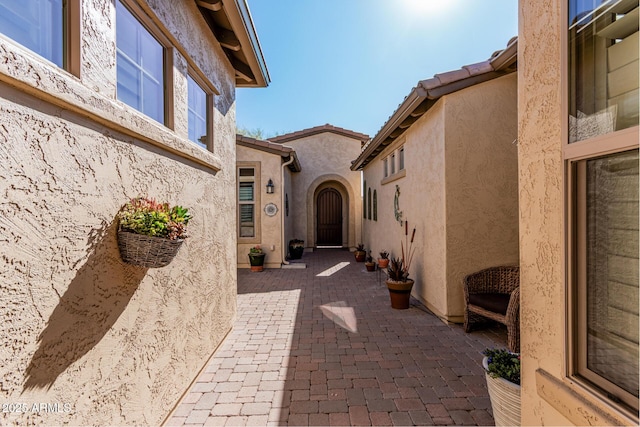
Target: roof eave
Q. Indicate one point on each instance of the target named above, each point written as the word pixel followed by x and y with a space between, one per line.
pixel 243 49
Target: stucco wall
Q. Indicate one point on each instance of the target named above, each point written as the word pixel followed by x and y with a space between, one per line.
pixel 118 344
pixel 325 157
pixel 269 230
pixel 459 191
pixel 549 397
pixel 481 182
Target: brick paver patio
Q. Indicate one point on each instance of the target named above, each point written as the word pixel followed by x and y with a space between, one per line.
pixel 322 346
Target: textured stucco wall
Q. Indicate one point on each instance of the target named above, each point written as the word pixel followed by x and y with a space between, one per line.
pixel 481 182
pixel 459 191
pixel 325 157
pixel 422 202
pixel 541 204
pixel 269 233
pixel 117 343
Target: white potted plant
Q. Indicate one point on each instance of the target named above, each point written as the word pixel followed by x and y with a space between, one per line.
pixel 502 371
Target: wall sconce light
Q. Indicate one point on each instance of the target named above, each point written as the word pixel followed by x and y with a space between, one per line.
pixel 270 187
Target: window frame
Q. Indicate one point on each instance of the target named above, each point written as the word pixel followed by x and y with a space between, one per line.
pixel 71 33
pixel 574 156
pixel 256 200
pixel 209 93
pixel 167 60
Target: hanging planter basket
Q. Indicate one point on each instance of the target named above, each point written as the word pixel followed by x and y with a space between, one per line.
pixel 147 251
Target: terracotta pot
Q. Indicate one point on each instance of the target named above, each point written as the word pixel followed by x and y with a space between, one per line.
pixel 383 262
pixel 360 256
pixel 257 261
pixel 371 266
pixel 399 293
pixel 505 399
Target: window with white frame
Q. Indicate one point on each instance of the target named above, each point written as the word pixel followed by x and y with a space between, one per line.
pixel 247 202
pixel 198 102
pixel 140 63
pixel 602 157
pixel 38 25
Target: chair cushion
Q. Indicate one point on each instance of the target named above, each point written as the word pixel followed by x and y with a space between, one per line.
pixel 496 303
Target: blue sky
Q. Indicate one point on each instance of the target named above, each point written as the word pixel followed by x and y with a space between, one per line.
pixel 350 63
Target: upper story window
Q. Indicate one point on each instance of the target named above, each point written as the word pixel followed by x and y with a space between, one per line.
pixel 198 101
pixel 603 67
pixel 140 65
pixel 38 25
pixel 386 167
pixel 401 158
pixel 392 161
pixel 602 158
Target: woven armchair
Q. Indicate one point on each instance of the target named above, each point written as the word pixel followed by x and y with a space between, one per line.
pixel 494 293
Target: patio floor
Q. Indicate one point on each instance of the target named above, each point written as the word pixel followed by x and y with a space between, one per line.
pixel 322 346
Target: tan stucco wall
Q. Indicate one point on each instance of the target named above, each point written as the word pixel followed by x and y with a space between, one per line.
pixel 119 344
pixel 459 191
pixel 269 229
pixel 481 182
pixel 325 157
pixel 548 396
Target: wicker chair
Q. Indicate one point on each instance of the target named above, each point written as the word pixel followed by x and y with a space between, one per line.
pixel 494 293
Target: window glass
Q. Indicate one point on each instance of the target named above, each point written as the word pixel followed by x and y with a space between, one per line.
pixel 140 66
pixel 38 25
pixel 246 191
pixel 603 67
pixel 247 222
pixel 612 269
pixel 364 201
pixel 401 159
pixel 246 172
pixel 386 167
pixel 369 201
pixel 197 99
pixel 392 160
pixel 375 205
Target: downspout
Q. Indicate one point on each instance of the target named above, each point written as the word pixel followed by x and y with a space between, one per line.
pixel 283 210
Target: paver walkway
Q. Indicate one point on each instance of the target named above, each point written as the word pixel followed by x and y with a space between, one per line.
pixel 322 346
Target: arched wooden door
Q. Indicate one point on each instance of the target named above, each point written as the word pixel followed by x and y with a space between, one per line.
pixel 329 218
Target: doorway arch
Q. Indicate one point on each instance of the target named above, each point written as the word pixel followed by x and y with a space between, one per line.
pixel 329 217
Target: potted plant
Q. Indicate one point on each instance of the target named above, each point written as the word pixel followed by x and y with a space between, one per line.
pixel 398 281
pixel 502 371
pixel 256 258
pixel 383 261
pixel 371 266
pixel 150 233
pixel 360 253
pixel 296 248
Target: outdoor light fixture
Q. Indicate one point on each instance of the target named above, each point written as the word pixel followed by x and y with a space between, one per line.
pixel 270 187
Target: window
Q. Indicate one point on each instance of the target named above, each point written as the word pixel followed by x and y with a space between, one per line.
pixel 603 67
pixel 401 159
pixel 392 160
pixel 375 205
pixel 386 167
pixel 602 158
pixel 364 201
pixel 369 204
pixel 140 63
pixel 247 202
pixel 198 101
pixel 38 25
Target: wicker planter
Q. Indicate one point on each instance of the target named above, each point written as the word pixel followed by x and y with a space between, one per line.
pixel 147 251
pixel 383 262
pixel 257 261
pixel 399 293
pixel 505 399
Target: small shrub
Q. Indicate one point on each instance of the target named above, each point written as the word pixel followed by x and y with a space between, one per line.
pixel 151 218
pixel 503 364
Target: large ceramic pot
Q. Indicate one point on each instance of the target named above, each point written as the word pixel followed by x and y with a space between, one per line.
pixel 371 266
pixel 257 261
pixel 399 293
pixel 505 399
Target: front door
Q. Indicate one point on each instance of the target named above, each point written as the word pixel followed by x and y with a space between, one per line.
pixel 329 221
